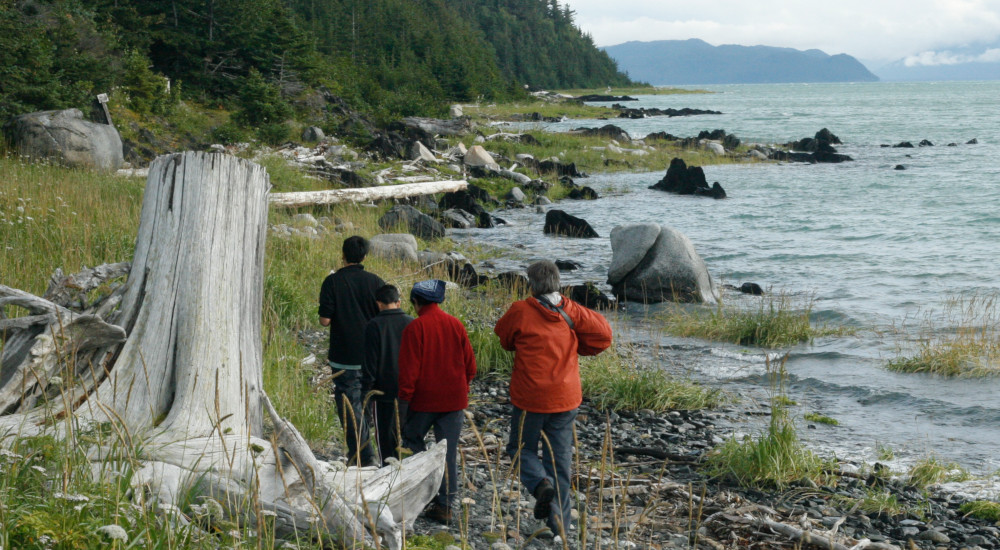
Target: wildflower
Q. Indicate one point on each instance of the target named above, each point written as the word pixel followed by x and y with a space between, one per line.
pixel 72 498
pixel 39 469
pixel 113 532
pixel 268 514
pixel 4 452
pixel 20 209
pixel 235 534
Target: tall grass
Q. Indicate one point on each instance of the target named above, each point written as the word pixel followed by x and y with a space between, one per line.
pixel 776 457
pixel 774 321
pixel 610 382
pixel 969 347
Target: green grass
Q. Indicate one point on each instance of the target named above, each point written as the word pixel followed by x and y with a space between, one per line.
pixel 884 452
pixel 820 419
pixel 982 509
pixel 774 321
pixel 881 502
pixel 971 349
pixel 931 470
pixel 774 458
pixel 610 382
pixel 633 91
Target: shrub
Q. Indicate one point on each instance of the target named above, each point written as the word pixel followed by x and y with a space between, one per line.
pixel 260 102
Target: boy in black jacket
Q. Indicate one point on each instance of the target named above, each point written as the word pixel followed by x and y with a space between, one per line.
pixel 380 370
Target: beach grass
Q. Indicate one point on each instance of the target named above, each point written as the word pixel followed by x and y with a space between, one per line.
pixel 878 501
pixel 612 382
pixel 773 321
pixel 987 510
pixel 775 458
pixel 820 419
pixel 970 347
pixel 931 470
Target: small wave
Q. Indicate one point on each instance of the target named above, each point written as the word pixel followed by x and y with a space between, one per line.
pixel 744 356
pixel 832 316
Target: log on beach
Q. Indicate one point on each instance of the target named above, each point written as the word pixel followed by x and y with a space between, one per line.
pixel 365 194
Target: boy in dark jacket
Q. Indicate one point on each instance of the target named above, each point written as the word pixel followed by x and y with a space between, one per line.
pixel 380 371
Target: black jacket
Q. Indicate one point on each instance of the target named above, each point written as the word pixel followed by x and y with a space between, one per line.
pixel 380 371
pixel 347 298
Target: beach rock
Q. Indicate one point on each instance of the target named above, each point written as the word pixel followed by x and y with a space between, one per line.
pixel 518 177
pixel 925 143
pixel 543 201
pixel 516 195
pixel 418 151
pixel 394 247
pixel 567 265
pixel 456 111
pixel 477 156
pixel 608 131
pixel 413 220
pixel 972 141
pixel 560 223
pixel 66 137
pixel 588 295
pixel 791 156
pixel 305 219
pixel 313 133
pixel 465 275
pixel 465 200
pixel 513 280
pixel 583 193
pixel 899 167
pixel 756 155
pixel 714 147
pixel 903 145
pixel 751 288
pixel 827 156
pixel 937 537
pixel 685 180
pixel 558 168
pixel 428 258
pixel 667 269
pixel 458 219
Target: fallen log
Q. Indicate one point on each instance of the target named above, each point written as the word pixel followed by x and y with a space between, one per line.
pixel 365 194
pixel 172 361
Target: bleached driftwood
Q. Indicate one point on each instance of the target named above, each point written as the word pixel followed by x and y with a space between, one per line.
pixel 173 358
pixel 365 194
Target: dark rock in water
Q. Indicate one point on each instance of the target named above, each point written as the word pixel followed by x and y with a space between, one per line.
pixel 925 143
pixel 792 157
pixel 729 141
pixel 885 146
pixel 903 145
pixel 514 280
pixel 972 141
pixel 608 131
pixel 899 167
pixel 953 144
pixel 583 193
pixel 464 200
pixel 662 136
pixel 589 296
pixel 598 97
pixel 466 275
pixel 459 219
pixel 561 223
pixel 825 156
pixel 558 168
pixel 412 220
pixel 567 265
pixel 828 137
pixel 685 180
pixel 643 112
pixel 752 288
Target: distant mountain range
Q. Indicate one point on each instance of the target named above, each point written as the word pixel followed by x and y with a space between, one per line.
pixel 979 62
pixel 698 62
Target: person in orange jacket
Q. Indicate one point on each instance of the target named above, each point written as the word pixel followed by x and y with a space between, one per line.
pixel 547 332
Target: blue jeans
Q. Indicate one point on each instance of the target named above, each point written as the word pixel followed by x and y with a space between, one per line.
pixel 348 385
pixel 447 425
pixel 556 463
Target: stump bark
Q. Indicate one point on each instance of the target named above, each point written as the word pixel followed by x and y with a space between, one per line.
pixel 173 357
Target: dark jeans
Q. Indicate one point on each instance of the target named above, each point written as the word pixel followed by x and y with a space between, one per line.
pixel 386 432
pixel 557 457
pixel 348 385
pixel 447 425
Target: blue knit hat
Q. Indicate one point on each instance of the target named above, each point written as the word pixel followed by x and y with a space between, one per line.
pixel 431 290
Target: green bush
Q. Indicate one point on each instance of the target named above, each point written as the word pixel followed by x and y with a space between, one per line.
pixel 229 133
pixel 273 134
pixel 260 102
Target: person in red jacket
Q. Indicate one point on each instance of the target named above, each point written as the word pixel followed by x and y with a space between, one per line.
pixel 436 365
pixel 547 332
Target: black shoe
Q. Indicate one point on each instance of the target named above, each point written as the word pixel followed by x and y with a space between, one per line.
pixel 544 494
pixel 437 513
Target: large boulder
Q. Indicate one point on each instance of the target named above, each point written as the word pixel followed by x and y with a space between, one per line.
pixel 468 201
pixel 313 133
pixel 418 151
pixel 656 263
pixel 687 180
pixel 413 221
pixel 561 223
pixel 66 137
pixel 394 247
pixel 459 219
pixel 477 156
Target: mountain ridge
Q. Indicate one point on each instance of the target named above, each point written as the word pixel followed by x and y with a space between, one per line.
pixel 694 61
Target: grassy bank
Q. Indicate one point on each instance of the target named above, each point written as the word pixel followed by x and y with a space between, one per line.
pixel 970 348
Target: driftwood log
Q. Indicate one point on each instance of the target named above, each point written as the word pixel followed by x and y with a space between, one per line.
pixel 364 194
pixel 172 358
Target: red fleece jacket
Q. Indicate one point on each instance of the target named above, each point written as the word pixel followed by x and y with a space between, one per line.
pixel 436 362
pixel 546 376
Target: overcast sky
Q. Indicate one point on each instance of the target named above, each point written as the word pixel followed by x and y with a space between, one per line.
pixel 871 30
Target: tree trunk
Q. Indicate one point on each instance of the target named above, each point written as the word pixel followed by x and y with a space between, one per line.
pixel 363 194
pixel 178 364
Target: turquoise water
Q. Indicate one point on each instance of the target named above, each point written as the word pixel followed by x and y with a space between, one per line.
pixel 872 247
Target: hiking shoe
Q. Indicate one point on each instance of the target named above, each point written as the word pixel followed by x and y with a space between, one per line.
pixel 437 513
pixel 544 494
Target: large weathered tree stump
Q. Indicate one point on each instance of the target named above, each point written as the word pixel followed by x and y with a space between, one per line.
pixel 173 357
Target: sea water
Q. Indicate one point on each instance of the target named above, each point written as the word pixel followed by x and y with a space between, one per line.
pixel 870 247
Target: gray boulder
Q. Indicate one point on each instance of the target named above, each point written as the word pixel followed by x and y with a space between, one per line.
pixel 66 137
pixel 516 195
pixel 420 152
pixel 313 133
pixel 394 246
pixel 652 263
pixel 458 219
pixel 477 156
pixel 406 217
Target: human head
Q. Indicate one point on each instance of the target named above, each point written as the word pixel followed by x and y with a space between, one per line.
pixel 355 249
pixel 426 292
pixel 543 277
pixel 387 297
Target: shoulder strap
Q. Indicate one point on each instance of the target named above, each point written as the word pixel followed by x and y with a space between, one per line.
pixel 552 307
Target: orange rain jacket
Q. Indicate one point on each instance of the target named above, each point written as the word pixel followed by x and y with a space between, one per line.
pixel 546 377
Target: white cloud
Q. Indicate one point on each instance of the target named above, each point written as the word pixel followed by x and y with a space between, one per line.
pixel 875 30
pixel 931 58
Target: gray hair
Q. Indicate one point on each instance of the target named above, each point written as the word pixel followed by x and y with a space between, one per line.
pixel 543 277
